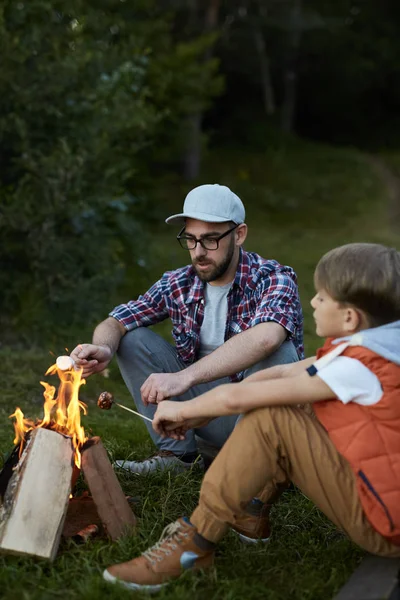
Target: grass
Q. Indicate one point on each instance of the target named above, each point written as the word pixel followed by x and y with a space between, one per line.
pixel 301 199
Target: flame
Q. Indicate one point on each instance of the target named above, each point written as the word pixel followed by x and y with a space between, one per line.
pixel 61 414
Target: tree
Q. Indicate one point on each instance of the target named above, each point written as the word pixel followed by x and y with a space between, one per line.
pixel 86 93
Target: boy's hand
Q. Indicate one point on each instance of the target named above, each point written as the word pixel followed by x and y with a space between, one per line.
pixel 168 421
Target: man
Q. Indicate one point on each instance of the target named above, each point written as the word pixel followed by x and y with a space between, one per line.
pixel 233 313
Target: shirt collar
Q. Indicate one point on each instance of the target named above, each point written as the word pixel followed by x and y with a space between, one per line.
pixel 197 289
pixel 243 269
pixel 196 292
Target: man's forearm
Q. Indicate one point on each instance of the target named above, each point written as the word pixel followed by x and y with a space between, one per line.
pixel 109 333
pixel 238 353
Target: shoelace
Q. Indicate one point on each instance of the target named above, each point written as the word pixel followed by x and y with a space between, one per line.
pixel 160 454
pixel 164 545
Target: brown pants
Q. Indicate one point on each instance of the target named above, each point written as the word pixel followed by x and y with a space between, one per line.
pixel 268 448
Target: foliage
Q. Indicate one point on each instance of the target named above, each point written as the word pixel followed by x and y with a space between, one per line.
pixel 87 93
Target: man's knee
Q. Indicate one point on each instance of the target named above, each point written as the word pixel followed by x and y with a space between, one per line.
pixel 134 343
pixel 285 354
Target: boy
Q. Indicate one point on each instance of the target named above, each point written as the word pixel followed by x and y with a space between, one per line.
pixel 345 457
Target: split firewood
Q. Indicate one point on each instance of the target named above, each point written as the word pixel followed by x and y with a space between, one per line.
pixel 112 506
pixel 36 498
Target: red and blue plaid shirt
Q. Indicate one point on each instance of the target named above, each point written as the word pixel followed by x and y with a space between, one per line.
pixel 262 291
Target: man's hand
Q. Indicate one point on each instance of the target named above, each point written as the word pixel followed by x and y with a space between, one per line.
pixel 168 421
pixel 161 386
pixel 91 358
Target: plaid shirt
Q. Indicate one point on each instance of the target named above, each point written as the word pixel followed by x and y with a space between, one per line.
pixel 262 291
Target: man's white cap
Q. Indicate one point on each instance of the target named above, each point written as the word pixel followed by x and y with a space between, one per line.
pixel 213 203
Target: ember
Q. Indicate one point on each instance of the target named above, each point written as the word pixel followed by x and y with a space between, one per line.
pixel 61 414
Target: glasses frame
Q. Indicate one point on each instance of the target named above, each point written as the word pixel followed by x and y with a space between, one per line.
pixel 196 241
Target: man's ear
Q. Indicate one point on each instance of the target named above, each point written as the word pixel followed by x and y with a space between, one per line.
pixel 241 234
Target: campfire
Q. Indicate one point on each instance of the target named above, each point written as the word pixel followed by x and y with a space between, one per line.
pixel 61 414
pixel 37 482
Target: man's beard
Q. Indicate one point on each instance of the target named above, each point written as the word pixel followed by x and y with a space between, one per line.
pixel 219 269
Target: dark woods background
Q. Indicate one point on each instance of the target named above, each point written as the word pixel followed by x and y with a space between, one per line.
pixel 109 110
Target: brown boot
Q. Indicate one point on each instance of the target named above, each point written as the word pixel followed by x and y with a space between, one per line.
pixel 176 552
pixel 253 528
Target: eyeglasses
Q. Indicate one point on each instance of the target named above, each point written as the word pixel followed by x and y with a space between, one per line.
pixel 189 242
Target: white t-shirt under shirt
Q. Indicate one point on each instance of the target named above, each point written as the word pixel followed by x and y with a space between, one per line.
pixel 212 332
pixel 351 381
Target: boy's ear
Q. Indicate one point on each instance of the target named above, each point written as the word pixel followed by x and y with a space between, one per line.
pixel 353 320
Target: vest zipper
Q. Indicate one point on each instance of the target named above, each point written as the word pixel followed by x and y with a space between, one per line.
pixel 375 493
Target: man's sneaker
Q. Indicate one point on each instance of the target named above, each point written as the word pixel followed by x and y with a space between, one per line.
pixel 176 552
pixel 164 460
pixel 254 528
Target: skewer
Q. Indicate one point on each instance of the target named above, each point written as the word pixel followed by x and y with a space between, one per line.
pixel 133 411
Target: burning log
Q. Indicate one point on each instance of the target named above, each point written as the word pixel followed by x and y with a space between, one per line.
pixel 36 499
pixel 111 503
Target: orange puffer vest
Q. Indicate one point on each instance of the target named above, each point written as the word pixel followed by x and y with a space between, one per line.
pixel 369 438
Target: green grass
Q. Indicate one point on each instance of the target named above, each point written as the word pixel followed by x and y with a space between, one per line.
pixel 301 200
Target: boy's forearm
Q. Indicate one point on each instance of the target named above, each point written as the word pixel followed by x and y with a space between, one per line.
pixel 237 398
pixel 209 405
pixel 279 371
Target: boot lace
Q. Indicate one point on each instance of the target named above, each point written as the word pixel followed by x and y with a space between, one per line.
pixel 168 541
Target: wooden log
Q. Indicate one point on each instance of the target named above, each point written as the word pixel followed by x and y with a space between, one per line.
pixel 376 578
pixel 36 499
pixel 113 508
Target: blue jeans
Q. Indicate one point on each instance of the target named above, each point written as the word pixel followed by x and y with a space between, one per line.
pixel 142 352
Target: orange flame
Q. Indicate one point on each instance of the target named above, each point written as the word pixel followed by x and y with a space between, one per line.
pixel 61 414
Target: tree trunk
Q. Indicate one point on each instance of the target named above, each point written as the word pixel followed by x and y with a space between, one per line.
pixel 192 158
pixel 290 73
pixel 193 146
pixel 268 92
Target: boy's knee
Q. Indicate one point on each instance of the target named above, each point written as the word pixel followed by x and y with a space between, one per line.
pixel 265 419
pixel 255 417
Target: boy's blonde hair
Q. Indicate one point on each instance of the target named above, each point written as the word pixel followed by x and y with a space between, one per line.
pixel 366 276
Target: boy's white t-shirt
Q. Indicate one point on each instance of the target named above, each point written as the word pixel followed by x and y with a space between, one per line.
pixel 351 381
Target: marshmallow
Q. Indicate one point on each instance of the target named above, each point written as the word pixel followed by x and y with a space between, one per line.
pixel 65 363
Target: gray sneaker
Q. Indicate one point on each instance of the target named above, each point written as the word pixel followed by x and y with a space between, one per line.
pixel 164 460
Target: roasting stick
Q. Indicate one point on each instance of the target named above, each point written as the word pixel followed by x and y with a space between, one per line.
pixel 133 411
pixel 65 363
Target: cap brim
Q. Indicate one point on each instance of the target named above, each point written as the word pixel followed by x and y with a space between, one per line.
pixel 199 216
